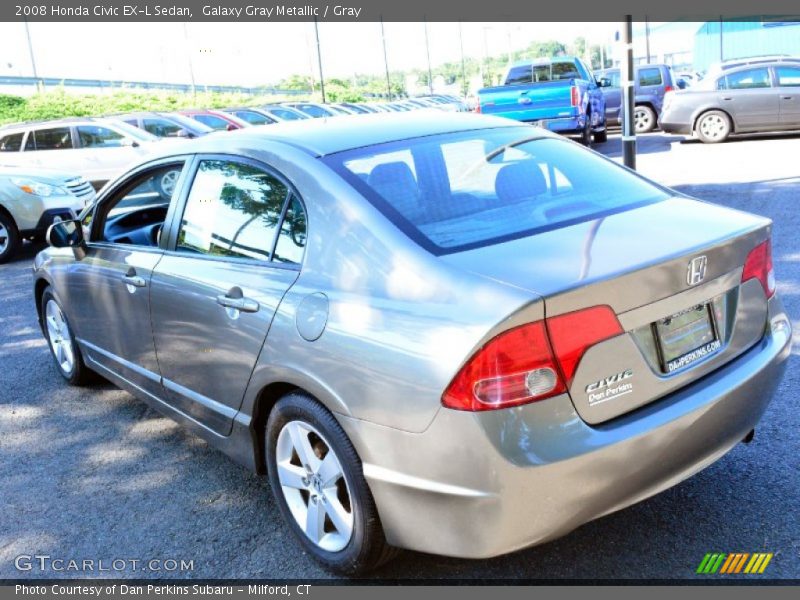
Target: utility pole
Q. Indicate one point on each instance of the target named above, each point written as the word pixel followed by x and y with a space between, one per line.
pixel 386 63
pixel 189 56
pixel 721 53
pixel 464 86
pixel 30 51
pixel 319 60
pixel 647 37
pixel 428 53
pixel 628 131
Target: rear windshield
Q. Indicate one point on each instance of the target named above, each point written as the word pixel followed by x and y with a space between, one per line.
pixel 460 191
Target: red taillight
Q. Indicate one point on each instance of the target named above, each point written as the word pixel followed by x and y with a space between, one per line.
pixel 478 107
pixel 575 96
pixel 521 365
pixel 759 266
pixel 668 88
pixel 573 333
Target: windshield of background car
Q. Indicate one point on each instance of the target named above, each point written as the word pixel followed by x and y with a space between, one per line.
pixel 464 190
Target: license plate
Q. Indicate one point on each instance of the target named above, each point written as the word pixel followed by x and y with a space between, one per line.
pixel 687 337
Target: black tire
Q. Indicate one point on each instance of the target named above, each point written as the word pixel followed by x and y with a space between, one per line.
pixel 11 241
pixel 601 137
pixel 586 134
pixel 713 127
pixel 646 121
pixel 367 548
pixel 79 374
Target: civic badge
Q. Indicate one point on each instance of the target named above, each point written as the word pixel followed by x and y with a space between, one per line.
pixel 697 270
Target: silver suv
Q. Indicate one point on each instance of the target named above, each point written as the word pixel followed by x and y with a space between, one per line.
pixel 97 149
pixel 31 200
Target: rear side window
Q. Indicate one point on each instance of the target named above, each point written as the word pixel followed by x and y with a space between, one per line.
pixel 314 111
pixel 788 76
pixel 57 138
pixel 94 136
pixel 233 210
pixel 459 191
pixel 565 70
pixel 11 143
pixel 212 121
pixel 253 117
pixel 286 115
pixel 746 80
pixel 519 75
pixel 292 238
pixel 650 77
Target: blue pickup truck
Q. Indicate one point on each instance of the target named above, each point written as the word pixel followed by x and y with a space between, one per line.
pixel 560 94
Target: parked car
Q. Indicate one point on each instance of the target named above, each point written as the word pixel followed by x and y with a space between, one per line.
pixel 165 124
pixel 216 119
pixel 314 109
pixel 280 112
pixel 650 83
pixel 559 94
pixel 96 149
pixel 745 99
pixel 31 199
pixel 254 116
pixel 438 331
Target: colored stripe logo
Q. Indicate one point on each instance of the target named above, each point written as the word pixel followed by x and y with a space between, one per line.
pixel 731 564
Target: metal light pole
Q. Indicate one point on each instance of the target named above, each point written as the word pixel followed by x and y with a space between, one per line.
pixel 628 131
pixel 319 60
pixel 30 51
pixel 428 53
pixel 189 56
pixel 647 37
pixel 463 68
pixel 721 53
pixel 386 62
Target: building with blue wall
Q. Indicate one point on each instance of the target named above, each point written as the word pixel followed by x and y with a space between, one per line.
pixel 725 40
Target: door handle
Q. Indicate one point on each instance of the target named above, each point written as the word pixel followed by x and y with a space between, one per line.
pixel 786 98
pixel 727 98
pixel 132 280
pixel 235 300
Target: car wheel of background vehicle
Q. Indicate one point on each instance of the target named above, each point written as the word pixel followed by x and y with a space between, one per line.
pixel 166 184
pixel 644 119
pixel 601 137
pixel 317 480
pixel 713 127
pixel 9 238
pixel 62 343
pixel 586 134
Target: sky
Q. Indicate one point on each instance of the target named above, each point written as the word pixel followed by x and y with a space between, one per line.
pixel 250 54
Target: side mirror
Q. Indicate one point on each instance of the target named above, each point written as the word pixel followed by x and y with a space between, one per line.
pixel 230 127
pixel 182 133
pixel 128 143
pixel 65 234
pixel 604 82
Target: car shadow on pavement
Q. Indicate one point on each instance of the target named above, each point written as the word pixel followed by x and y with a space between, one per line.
pixel 650 143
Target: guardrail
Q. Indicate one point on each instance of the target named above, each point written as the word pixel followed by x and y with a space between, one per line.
pixel 32 84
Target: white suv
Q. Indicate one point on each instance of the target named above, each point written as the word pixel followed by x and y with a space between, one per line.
pixel 97 149
pixel 32 199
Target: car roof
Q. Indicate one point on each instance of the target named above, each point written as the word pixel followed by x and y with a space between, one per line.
pixel 320 137
pixel 49 123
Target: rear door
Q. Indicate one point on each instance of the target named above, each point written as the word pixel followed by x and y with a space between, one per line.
pixel 613 94
pixel 104 151
pixel 749 96
pixel 788 80
pixel 235 249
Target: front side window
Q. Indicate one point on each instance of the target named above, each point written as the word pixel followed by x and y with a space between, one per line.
pixel 212 121
pixel 253 118
pixel 650 77
pixel 57 138
pixel 746 80
pixel 286 115
pixel 788 76
pixel 11 143
pixel 161 127
pixel 233 211
pixel 135 214
pixel 464 190
pixel 95 136
pixel 314 111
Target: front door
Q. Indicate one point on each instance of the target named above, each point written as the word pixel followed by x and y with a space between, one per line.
pixel 788 79
pixel 110 286
pixel 215 294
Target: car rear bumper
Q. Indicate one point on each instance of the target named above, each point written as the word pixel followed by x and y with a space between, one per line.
pixel 477 485
pixel 672 127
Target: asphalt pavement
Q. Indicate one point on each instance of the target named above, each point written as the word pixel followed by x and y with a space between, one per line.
pixel 94 474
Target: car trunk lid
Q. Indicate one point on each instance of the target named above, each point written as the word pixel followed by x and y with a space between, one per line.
pixel 670 271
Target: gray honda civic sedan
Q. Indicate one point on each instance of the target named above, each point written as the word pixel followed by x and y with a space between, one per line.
pixel 444 332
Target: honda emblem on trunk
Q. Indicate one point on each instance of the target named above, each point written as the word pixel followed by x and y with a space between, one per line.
pixel 697 270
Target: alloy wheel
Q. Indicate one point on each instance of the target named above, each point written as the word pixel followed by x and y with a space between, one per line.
pixel 642 120
pixel 713 127
pixel 3 238
pixel 59 336
pixel 168 181
pixel 314 486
